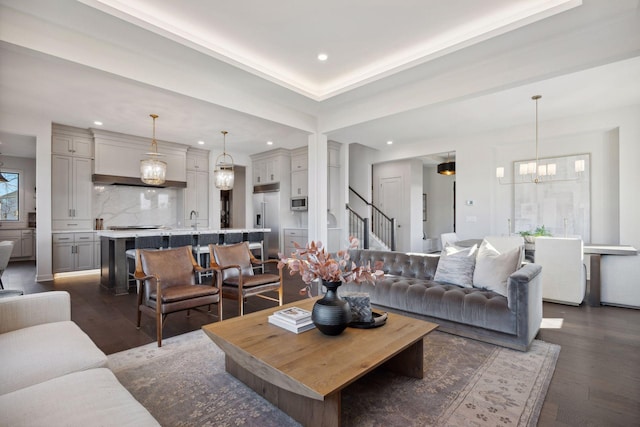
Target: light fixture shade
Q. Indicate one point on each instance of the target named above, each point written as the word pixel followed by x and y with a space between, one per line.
pixel 223 174
pixel 500 172
pixel 153 171
pixel 447 168
pixel 579 166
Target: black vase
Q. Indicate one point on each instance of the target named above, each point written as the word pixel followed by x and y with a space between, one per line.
pixel 331 314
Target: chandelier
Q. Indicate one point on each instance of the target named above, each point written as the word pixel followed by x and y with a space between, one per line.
pixel 540 170
pixel 153 170
pixel 223 173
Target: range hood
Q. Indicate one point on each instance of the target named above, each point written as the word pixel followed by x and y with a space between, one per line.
pixel 133 182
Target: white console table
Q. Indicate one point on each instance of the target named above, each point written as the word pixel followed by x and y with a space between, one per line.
pixel 596 252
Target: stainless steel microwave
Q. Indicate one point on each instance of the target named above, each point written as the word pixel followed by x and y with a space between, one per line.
pixel 299 203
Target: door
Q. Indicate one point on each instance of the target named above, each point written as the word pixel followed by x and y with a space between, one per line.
pixel 392 205
pixel 84 255
pixel 63 257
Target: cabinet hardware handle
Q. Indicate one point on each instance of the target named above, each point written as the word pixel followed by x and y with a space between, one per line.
pixel 68 225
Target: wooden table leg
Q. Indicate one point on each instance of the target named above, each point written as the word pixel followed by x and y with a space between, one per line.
pixel 409 362
pixel 593 293
pixel 307 411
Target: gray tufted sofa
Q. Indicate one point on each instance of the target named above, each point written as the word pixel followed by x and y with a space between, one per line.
pixel 408 288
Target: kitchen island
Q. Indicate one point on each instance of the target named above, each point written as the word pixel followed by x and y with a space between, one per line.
pixel 114 266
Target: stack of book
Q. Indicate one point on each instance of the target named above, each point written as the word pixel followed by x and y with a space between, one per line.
pixel 293 319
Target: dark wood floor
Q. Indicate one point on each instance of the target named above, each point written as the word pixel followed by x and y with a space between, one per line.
pixel 596 381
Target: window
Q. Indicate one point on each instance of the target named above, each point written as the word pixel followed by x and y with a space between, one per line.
pixel 9 197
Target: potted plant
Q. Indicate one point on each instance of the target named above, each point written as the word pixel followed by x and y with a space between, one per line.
pixel 530 236
pixel 331 314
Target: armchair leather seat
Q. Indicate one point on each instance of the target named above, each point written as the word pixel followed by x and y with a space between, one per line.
pixel 168 284
pixel 183 292
pixel 235 275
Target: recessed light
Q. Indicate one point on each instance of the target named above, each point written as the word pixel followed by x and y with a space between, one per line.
pixel 97 123
pixel 269 142
pixel 201 142
pixel 389 142
pixel 323 57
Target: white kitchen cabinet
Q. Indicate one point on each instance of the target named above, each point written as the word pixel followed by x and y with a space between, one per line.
pixel 71 191
pixel 14 236
pixel 73 251
pixel 198 161
pixel 96 253
pixel 77 146
pixel 299 184
pixel 299 173
pixel 22 242
pixel 299 160
pixel 291 235
pixel 26 243
pixel 120 155
pixel 268 168
pixel 196 195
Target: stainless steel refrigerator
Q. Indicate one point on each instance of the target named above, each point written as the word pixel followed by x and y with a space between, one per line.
pixel 266 214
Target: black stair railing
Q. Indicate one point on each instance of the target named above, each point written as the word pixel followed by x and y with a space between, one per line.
pixel 381 225
pixel 359 227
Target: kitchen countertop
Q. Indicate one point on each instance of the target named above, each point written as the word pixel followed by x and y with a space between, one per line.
pixel 176 231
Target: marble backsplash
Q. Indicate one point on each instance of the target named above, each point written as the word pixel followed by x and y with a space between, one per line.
pixel 121 205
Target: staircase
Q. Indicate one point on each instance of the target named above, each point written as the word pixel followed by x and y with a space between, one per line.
pixel 376 234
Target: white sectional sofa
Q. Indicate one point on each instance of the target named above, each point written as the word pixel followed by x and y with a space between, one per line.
pixel 52 374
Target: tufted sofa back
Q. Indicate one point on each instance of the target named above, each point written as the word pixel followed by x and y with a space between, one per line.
pixel 399 263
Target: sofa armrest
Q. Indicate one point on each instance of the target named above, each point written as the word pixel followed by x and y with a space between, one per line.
pixel 34 309
pixel 525 298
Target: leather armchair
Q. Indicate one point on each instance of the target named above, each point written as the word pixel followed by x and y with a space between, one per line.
pixel 234 266
pixel 168 285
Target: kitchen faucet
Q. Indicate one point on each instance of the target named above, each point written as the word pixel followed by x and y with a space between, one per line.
pixel 192 215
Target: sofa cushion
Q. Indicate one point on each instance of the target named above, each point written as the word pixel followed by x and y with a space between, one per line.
pixel 39 353
pixel 492 269
pixel 468 306
pixel 88 398
pixel 456 266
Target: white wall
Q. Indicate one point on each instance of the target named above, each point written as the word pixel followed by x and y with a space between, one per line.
pixel 409 214
pixel 40 128
pixel 439 190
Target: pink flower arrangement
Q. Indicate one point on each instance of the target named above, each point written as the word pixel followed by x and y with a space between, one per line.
pixel 314 262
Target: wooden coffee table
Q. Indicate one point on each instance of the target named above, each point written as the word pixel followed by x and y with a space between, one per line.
pixel 304 374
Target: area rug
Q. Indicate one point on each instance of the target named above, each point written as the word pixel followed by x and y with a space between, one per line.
pixel 466 382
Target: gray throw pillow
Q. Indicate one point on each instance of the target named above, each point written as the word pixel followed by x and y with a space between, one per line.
pixel 456 266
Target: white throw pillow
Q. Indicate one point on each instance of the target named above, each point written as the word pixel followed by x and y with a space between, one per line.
pixel 493 269
pixel 456 266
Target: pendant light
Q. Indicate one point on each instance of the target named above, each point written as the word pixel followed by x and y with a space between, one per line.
pixel 447 168
pixel 223 173
pixel 153 170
